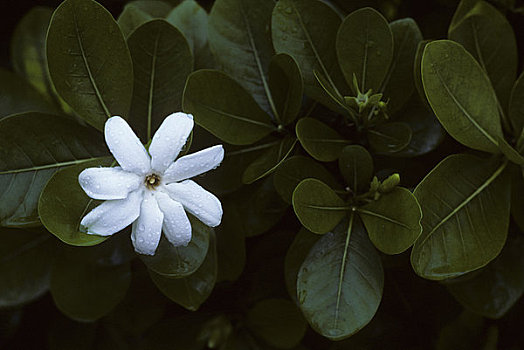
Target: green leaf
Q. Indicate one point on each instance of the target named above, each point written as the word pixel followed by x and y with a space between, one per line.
pixel 286 86
pixel 317 206
pixel 461 95
pixel 398 85
pixel 356 166
pixel 516 106
pixel 517 196
pixel 495 289
pixel 295 256
pixel 33 147
pixel 392 221
pixel 340 283
pixel 319 140
pixel 25 266
pixel 417 72
pixel 510 152
pixel 241 42
pixel 489 37
pixel 390 137
pixel 306 30
pixel 464 332
pixel 177 262
pixel 224 108
pixel 136 13
pixel 63 204
pixel 89 62
pixel 365 48
pixel 462 10
pixel 192 290
pixel 297 168
pixel 87 292
pixel 465 205
pixel 270 160
pixel 162 62
pixel 231 246
pixel 278 322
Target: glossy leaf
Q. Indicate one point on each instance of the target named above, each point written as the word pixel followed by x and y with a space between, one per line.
pixel 278 322
pixel 461 95
pixel 63 204
pixel 398 85
pixel 465 204
pixel 489 37
pixel 33 147
pixel 297 168
pixel 497 287
pixel 192 290
pixel 270 160
pixel 162 61
pixel 25 266
pixel 89 62
pixel 365 48
pixel 136 13
pixel 317 206
pixel 356 166
pixel 417 72
pixel 241 42
pixel 176 262
pixel 224 108
pixel 286 86
pixel 340 283
pixel 392 221
pixel 390 137
pixel 516 105
pixel 319 140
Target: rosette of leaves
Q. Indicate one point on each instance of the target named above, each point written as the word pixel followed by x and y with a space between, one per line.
pixel 361 68
pixel 338 277
pixel 466 198
pixel 81 70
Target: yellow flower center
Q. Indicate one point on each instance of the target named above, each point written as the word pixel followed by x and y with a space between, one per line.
pixel 152 181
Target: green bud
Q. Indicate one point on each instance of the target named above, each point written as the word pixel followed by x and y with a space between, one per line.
pixel 389 184
pixel 374 184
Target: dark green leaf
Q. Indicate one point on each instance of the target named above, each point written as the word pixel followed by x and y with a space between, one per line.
pixel 340 283
pixel 417 72
pixel 497 287
pixel 162 62
pixel 177 262
pixel 317 206
pixel 390 137
pixel 240 39
pixel 465 205
pixel 392 221
pixel 489 37
pixel 356 166
pixel 286 86
pixel 231 247
pixel 319 140
pixel 462 10
pixel 461 95
pixel 365 48
pixel 192 290
pixel 89 62
pixel 278 322
pixel 510 152
pixel 25 266
pixel 224 108
pixel 63 204
pixel 270 160
pixel 516 105
pixel 136 13
pixel 465 332
pixel 517 196
pixel 297 168
pixel 33 147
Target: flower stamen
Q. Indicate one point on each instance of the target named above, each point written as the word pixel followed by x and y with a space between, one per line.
pixel 151 181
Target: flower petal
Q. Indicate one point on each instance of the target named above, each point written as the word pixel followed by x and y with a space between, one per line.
pixel 126 147
pixel 194 164
pixel 196 200
pixel 114 215
pixel 108 183
pixel 176 226
pixel 148 227
pixel 169 139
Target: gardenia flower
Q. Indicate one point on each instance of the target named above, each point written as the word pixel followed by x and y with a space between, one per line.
pixel 151 191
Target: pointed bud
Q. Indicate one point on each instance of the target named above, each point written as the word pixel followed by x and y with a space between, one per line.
pixel 389 184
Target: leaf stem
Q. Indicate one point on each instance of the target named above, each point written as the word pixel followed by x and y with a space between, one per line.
pixel 343 266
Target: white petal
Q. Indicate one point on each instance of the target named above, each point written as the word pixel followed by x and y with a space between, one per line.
pixel 108 183
pixel 114 215
pixel 177 227
pixel 169 139
pixel 148 227
pixel 126 147
pixel 194 164
pixel 196 200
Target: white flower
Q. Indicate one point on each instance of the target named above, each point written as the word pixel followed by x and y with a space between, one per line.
pixel 151 192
